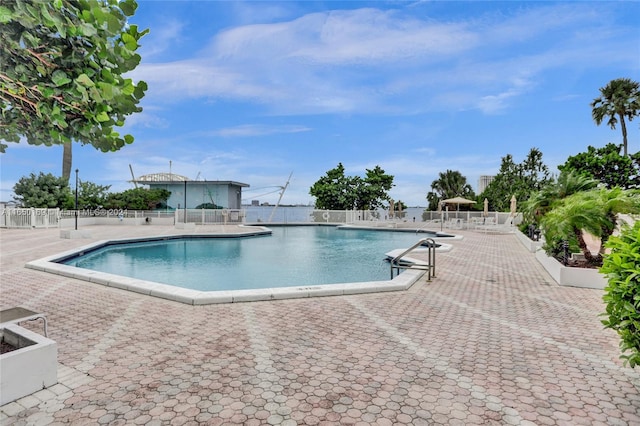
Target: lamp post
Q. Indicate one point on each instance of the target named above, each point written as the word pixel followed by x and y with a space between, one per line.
pixel 76 199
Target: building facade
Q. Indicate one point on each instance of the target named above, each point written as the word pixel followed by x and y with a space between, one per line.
pixel 483 182
pixel 224 194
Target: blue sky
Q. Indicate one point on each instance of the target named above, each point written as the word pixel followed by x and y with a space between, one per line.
pixel 252 91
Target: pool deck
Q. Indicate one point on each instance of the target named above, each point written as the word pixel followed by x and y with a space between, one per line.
pixel 491 340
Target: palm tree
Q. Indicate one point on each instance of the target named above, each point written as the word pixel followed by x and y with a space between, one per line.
pixel 595 211
pixel 620 98
pixel 616 201
pixel 569 218
pixel 449 184
pixel 568 183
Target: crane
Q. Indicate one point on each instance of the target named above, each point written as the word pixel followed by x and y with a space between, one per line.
pixel 133 177
pixel 283 188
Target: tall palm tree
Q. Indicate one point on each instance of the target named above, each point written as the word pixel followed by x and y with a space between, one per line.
pixel 620 98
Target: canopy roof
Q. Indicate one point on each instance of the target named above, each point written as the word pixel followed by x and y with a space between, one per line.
pixel 161 177
pixel 457 200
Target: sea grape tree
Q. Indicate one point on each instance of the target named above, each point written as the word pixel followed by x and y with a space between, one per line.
pixel 62 72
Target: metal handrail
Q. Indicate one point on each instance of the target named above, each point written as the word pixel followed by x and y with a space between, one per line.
pixel 430 267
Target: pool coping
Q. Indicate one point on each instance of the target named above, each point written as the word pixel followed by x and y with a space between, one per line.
pixel 197 297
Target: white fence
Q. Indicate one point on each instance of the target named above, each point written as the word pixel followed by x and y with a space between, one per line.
pixel 30 218
pixel 209 216
pixel 47 218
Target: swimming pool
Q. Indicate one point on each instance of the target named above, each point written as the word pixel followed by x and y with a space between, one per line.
pixel 291 259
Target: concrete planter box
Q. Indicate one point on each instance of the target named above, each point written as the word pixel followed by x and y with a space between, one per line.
pixel 72 234
pixel 188 225
pixel 530 245
pixel 29 368
pixel 569 276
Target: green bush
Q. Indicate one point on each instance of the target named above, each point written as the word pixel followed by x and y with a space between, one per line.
pixel 622 294
pixel 208 206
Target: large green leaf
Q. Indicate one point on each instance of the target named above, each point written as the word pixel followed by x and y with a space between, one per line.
pixel 128 7
pixel 85 80
pixel 129 41
pixel 60 78
pixel 5 15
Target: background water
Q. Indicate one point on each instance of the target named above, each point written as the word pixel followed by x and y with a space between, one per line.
pixel 291 256
pixel 299 214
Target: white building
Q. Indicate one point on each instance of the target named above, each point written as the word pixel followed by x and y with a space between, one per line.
pixel 223 194
pixel 483 182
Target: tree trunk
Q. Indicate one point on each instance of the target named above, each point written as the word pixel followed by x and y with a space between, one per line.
pixel 623 126
pixel 593 260
pixel 66 161
pixel 607 232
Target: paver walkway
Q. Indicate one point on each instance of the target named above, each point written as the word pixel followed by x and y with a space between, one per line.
pixel 491 340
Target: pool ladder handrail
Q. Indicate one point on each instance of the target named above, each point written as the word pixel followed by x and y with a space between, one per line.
pixel 430 267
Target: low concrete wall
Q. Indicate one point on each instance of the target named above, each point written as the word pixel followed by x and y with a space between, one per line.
pixel 569 276
pixel 74 233
pixel 530 245
pixel 82 221
pixel 30 368
pixel 135 221
pixel 114 221
pixel 188 225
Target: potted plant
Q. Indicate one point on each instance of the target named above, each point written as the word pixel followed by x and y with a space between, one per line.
pixel 568 221
pixel 595 211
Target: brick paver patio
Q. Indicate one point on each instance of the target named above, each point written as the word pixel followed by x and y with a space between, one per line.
pixel 491 340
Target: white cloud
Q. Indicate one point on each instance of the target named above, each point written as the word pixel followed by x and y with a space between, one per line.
pixel 492 104
pixel 363 36
pixel 366 60
pixel 146 118
pixel 250 130
pixel 166 34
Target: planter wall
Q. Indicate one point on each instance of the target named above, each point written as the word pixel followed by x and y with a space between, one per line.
pixel 28 369
pixel 530 245
pixel 569 276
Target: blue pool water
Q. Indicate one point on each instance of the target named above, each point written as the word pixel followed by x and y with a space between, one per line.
pixel 291 256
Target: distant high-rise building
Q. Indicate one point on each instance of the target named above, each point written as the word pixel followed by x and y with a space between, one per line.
pixel 483 182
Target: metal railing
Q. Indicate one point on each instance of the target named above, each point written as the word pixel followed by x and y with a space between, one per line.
pixel 430 266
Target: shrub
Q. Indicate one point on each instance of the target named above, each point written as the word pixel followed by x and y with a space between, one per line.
pixel 208 206
pixel 622 294
pixel 554 246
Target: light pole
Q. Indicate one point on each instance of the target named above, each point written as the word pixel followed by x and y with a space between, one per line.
pixel 76 199
pixel 185 201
